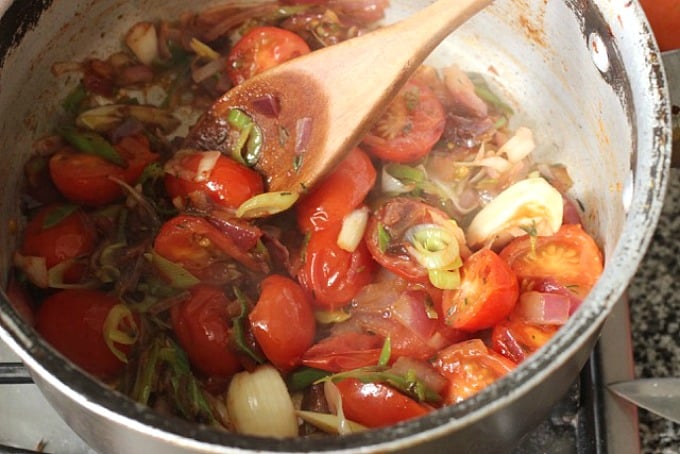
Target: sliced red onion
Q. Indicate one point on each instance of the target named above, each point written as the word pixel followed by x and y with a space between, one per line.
pixel 423 370
pixel 303 133
pixel 268 105
pixel 544 308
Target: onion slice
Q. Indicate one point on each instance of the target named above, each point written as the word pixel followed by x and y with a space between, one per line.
pixel 544 308
pixel 266 204
pixel 353 228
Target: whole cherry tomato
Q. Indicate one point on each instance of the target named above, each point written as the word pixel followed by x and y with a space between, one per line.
pixel 202 324
pixel 73 322
pixel 487 294
pixel 344 351
pixel 283 321
pixel 338 194
pixel 470 367
pixel 59 233
pixel 413 123
pixel 570 257
pixel 376 404
pixel 228 183
pixel 87 179
pixel 262 48
pixel 330 273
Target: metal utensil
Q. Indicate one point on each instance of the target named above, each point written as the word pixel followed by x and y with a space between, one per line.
pixel 658 395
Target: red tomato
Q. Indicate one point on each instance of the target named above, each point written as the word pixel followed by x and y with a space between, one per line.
pixel 376 405
pixel 413 123
pixel 228 185
pixel 86 178
pixel 338 194
pixel 516 339
pixel 332 274
pixel 201 248
pixel 487 294
pixel 395 218
pixel 345 351
pixel 203 326
pixel 664 18
pixel 72 321
pixel 570 257
pixel 470 367
pixel 283 321
pixel 73 236
pixel 262 48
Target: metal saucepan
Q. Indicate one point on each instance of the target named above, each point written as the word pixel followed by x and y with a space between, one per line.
pixel 585 75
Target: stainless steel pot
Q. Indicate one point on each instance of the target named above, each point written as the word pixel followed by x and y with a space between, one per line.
pixel 585 75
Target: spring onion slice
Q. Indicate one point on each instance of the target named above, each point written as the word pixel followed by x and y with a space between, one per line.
pixel 177 275
pixel 248 144
pixel 329 423
pixel 304 377
pixel 433 246
pixel 119 315
pixel 444 279
pixel 352 230
pixel 266 204
pixel 203 50
pixel 92 143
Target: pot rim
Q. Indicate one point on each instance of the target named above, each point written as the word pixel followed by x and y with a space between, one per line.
pixel 652 119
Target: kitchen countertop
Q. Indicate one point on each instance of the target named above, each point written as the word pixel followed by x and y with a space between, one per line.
pixel 654 297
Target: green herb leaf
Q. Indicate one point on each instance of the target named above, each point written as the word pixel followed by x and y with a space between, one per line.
pixel 239 332
pixel 304 377
pixel 58 214
pixel 74 100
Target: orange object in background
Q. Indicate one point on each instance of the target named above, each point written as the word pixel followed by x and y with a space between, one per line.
pixel 664 18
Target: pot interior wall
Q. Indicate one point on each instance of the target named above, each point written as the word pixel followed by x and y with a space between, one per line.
pixel 538 54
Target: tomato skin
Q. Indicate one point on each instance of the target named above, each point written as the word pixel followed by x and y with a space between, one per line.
pixel 74 236
pixel 570 257
pixel 470 367
pixel 229 184
pixel 664 18
pixel 375 404
pixel 487 294
pixel 72 321
pixel 202 325
pixel 283 321
pixel 344 351
pixel 84 178
pixel 338 194
pixel 201 248
pixel 331 274
pixel 262 48
pixel 409 129
pixel 516 339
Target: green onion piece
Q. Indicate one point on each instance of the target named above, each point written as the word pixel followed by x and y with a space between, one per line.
pixel 384 238
pixel 92 143
pixel 304 377
pixel 58 214
pixel 248 145
pixel 254 146
pixel 238 329
pixel 483 90
pixel 104 118
pixel 433 246
pixel 203 50
pixel 385 353
pixel 405 174
pixel 329 423
pixel 74 100
pixel 444 279
pixel 328 317
pixel 147 373
pixel 177 275
pixel 120 315
pixel 267 204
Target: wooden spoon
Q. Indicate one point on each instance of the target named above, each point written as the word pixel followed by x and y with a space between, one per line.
pixel 314 109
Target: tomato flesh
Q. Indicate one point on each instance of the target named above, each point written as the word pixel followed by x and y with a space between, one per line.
pixel 516 339
pixel 487 294
pixel 281 306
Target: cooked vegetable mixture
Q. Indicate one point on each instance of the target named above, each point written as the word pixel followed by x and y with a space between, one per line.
pixel 436 257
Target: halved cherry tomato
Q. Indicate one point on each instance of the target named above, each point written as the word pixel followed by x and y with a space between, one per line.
pixel 570 257
pixel 470 367
pixel 229 183
pixel 487 294
pixel 283 321
pixel 386 235
pixel 202 324
pixel 69 237
pixel 86 179
pixel 338 194
pixel 344 351
pixel 516 339
pixel 413 123
pixel 262 48
pixel 376 404
pixel 330 273
pixel 201 248
pixel 664 18
pixel 73 321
